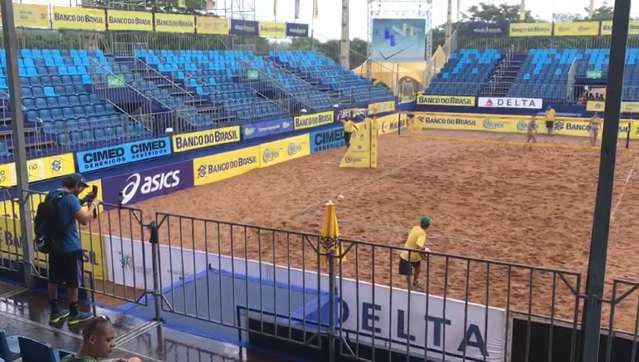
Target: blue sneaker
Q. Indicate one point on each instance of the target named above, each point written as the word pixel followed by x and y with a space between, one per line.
pixel 79 317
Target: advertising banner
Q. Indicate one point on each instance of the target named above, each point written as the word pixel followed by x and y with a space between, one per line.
pixel 577 28
pixel 399 39
pixel 266 128
pixel 381 107
pixel 273 30
pixel 202 139
pixel 225 165
pixel 633 27
pixel 122 154
pixel 390 123
pixel 530 29
pixel 174 23
pixel 279 151
pixel 30 16
pixel 39 169
pixel 129 20
pixel 137 186
pixel 299 30
pixel 244 27
pixel 483 29
pixel 327 139
pixel 509 102
pixel 78 18
pixel 362 152
pixel 455 101
pixel 211 25
pixel 599 106
pixel 313 120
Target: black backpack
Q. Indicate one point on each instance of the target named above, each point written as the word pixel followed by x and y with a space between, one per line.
pixel 48 228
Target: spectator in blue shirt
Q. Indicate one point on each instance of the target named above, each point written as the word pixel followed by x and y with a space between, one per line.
pixel 65 260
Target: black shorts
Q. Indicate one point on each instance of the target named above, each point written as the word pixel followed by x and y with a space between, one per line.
pixel 549 124
pixel 406 267
pixel 66 268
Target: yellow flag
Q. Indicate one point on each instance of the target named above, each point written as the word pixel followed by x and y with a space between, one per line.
pixel 363 150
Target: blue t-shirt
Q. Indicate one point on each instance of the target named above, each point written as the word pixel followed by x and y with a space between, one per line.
pixel 68 206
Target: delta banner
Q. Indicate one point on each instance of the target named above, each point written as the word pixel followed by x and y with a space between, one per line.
pixel 141 185
pixel 509 102
pixel 279 151
pixel 78 18
pixel 266 128
pixel 633 27
pixel 599 106
pixel 399 40
pixel 30 16
pixel 381 107
pixel 273 30
pixel 122 154
pixel 577 28
pixel 449 101
pixel 480 28
pixel 129 20
pixel 313 120
pixel 225 165
pixel 326 139
pixel 530 29
pixel 39 169
pixel 203 139
pixel 174 23
pixel 297 30
pixel 212 25
pixel 244 27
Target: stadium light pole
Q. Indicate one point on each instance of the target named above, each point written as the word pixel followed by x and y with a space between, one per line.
pixel 17 125
pixel 591 323
pixel 449 27
pixel 345 42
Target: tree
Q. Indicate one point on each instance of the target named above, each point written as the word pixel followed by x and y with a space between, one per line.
pixel 603 12
pixel 494 13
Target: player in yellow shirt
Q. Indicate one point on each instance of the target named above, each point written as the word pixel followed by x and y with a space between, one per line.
pixel 550 119
pixel 409 262
pixel 349 128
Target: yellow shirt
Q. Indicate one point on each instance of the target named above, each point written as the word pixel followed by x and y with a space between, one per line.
pixel 550 115
pixel 349 126
pixel 416 241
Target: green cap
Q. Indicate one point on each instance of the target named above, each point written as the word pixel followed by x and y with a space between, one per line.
pixel 425 221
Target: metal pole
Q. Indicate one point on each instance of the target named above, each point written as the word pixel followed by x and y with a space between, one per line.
pixel 628 134
pixel 591 8
pixel 601 222
pixel 19 151
pixel 345 42
pixel 449 27
pixel 522 10
pixel 331 301
pixel 155 250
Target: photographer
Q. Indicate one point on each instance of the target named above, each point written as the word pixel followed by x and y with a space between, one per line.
pixel 65 258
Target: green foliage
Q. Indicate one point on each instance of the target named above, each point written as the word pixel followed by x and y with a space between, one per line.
pixel 494 13
pixel 601 13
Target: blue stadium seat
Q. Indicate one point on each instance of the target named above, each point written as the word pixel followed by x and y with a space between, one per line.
pixel 9 345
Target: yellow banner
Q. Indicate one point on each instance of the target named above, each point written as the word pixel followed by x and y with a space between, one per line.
pixel 577 28
pixel 633 27
pixel 78 18
pixel 381 107
pixel 363 150
pixel 389 123
pixel 202 139
pixel 313 120
pixel 599 106
pixel 287 149
pixel 129 20
pixel 458 101
pixel 269 29
pixel 30 16
pixel 211 25
pixel 225 165
pixel 39 169
pixel 92 251
pixel 174 23
pixel 530 29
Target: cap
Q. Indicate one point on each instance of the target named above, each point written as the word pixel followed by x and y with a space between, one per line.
pixel 74 180
pixel 425 221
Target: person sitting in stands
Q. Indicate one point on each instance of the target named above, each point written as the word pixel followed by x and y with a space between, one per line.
pixel 98 338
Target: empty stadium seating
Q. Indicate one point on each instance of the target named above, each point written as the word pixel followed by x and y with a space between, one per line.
pixel 465 72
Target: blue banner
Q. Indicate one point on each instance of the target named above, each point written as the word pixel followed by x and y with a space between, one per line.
pixel 399 39
pixel 122 154
pixel 244 27
pixel 266 128
pixel 326 139
pixel 294 29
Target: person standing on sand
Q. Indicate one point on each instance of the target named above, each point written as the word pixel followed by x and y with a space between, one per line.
pixel 532 131
pixel 550 120
pixel 410 261
pixel 594 128
pixel 349 128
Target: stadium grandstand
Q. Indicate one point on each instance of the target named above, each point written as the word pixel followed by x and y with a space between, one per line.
pixel 213 145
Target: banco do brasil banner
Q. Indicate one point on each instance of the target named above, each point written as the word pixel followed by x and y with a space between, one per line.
pixel 633 27
pixel 202 139
pixel 211 25
pixel 530 29
pixel 39 169
pixel 221 166
pixel 457 101
pixel 174 23
pixel 269 29
pixel 78 18
pixel 577 28
pixel 129 20
pixel 313 120
pixel 122 154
